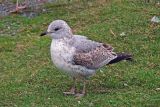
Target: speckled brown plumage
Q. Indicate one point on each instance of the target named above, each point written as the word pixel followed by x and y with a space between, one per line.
pixel 96 58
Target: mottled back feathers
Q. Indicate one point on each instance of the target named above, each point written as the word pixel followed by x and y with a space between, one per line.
pixel 90 54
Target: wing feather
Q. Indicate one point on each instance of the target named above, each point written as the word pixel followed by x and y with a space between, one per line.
pixel 91 54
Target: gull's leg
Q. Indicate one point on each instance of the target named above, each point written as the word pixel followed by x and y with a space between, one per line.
pixel 17 7
pixel 72 90
pixel 79 95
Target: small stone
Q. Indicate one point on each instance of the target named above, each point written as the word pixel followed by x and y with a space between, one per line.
pixel 101 71
pixel 157 89
pixel 158 3
pixel 91 104
pixel 125 84
pixel 122 34
pixel 155 19
pixel 8 27
pixel 79 102
pixel 44 10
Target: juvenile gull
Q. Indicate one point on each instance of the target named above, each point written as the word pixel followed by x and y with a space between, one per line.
pixel 78 56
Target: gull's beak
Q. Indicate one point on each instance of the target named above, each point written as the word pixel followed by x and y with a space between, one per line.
pixel 44 33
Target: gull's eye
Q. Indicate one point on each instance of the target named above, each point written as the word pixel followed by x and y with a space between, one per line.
pixel 57 28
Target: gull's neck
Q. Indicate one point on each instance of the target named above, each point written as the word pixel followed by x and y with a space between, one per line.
pixel 64 40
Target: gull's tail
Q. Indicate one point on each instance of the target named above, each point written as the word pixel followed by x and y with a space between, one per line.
pixel 120 57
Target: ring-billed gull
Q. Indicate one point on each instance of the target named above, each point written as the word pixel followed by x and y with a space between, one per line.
pixel 78 56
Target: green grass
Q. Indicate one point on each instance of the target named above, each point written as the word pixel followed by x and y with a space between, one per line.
pixel 29 79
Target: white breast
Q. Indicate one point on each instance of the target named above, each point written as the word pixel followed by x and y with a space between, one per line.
pixel 62 55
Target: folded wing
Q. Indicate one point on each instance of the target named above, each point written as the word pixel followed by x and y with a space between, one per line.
pixel 91 54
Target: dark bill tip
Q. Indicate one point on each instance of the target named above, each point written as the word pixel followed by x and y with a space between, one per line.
pixel 44 33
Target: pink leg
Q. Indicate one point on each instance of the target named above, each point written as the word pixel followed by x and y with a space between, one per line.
pixel 79 95
pixel 72 90
pixel 19 7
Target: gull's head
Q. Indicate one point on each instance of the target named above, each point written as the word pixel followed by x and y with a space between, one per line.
pixel 58 29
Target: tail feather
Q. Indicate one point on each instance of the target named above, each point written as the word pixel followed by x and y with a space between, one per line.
pixel 120 57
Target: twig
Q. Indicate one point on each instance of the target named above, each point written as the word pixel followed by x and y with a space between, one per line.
pixel 112 32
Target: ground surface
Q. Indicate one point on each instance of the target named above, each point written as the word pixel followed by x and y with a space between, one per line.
pixel 29 79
